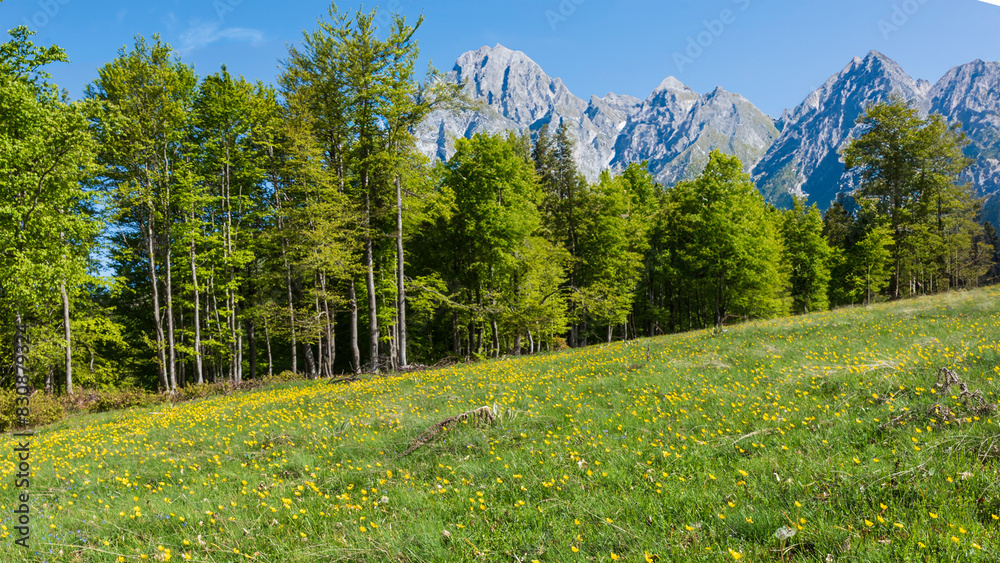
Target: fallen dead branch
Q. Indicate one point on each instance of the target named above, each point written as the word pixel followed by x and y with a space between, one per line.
pixel 480 415
pixel 345 379
pixel 974 402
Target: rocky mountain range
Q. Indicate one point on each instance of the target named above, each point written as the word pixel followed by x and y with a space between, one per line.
pixel 675 128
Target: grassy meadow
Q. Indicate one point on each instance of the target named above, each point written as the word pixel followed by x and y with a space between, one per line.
pixel 829 437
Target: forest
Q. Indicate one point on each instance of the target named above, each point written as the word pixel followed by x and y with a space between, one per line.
pixel 171 229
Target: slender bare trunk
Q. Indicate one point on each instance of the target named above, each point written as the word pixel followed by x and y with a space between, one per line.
pixel 291 310
pixel 310 361
pixel 158 320
pixel 330 348
pixel 320 348
pixel 267 338
pixel 355 351
pixel 197 317
pixel 401 291
pixel 68 335
pixel 370 281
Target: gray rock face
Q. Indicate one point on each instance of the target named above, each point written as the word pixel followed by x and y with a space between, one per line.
pixel 674 129
pixel 970 95
pixel 805 160
pixel 516 95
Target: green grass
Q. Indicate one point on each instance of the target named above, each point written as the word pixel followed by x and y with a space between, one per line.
pixel 830 425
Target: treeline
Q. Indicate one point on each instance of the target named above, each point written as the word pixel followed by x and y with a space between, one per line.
pixel 253 229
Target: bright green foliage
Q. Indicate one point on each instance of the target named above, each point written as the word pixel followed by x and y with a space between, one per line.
pixel 612 241
pixel 717 250
pixel 871 261
pixel 146 98
pixel 503 273
pixel 363 103
pixel 226 203
pixel 909 167
pixel 563 214
pixel 47 224
pixel 242 222
pixel 807 255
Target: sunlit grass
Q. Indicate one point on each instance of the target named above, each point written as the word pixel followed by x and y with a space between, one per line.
pixel 808 439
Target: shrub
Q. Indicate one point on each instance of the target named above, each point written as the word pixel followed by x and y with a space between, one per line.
pixel 124 399
pixel 44 409
pixel 285 376
pixel 192 392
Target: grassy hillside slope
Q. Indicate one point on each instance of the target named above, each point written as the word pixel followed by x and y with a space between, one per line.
pixel 830 437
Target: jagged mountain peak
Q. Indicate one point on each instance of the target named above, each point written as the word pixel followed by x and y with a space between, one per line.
pixel 675 127
pixel 496 56
pixel 805 160
pixel 970 94
pixel 671 83
pixel 674 123
pixel 612 98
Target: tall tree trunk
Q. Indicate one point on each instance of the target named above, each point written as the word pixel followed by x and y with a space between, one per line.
pixel 169 290
pixel 310 362
pixel 197 317
pixel 330 333
pixel 158 319
pixel 252 343
pixel 250 325
pixel 291 311
pixel 267 338
pixel 393 350
pixel 355 351
pixel 181 356
pixel 321 357
pixel 496 337
pixel 401 290
pixel 370 280
pixel 68 335
pixel 170 321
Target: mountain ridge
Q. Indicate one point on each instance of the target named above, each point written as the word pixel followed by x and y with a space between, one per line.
pixel 674 128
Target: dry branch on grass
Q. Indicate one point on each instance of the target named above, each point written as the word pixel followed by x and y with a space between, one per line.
pixel 974 402
pixel 344 379
pixel 480 415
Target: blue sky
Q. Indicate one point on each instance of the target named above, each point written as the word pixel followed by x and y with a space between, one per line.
pixel 773 52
